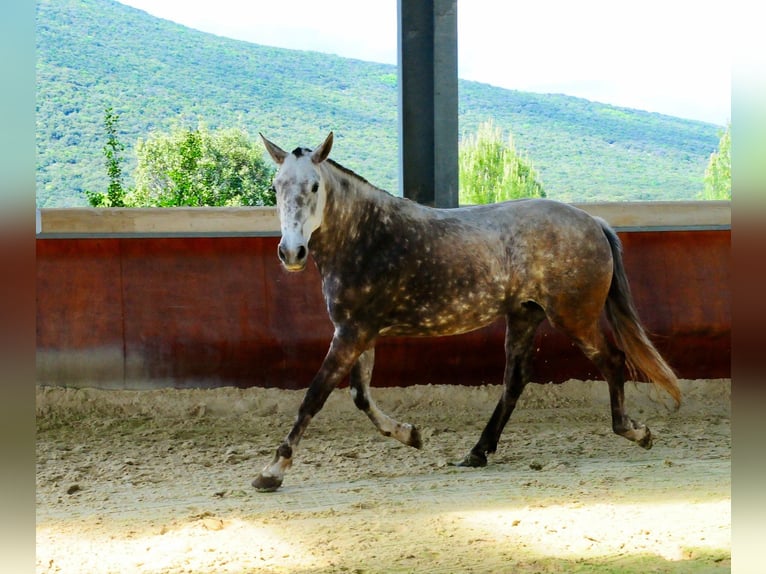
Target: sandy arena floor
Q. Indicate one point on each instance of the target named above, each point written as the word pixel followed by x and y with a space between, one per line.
pixel 159 481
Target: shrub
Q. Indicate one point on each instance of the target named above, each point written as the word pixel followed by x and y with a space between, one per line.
pixel 199 167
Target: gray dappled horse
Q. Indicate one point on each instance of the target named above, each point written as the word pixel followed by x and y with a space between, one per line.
pixel 390 266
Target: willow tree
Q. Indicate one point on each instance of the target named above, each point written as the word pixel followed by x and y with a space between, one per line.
pixel 491 169
pixel 718 173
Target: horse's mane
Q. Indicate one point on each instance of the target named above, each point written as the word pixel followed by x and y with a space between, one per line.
pixel 352 174
pixel 299 151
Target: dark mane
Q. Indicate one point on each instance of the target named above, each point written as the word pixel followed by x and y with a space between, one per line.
pixel 300 151
pixel 352 173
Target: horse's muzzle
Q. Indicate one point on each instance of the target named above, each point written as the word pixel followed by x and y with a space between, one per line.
pixel 293 259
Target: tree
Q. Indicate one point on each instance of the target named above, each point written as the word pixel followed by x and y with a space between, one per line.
pixel 718 173
pixel 115 194
pixel 491 170
pixel 196 167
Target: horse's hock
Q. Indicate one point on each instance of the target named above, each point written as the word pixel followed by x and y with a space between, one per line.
pixel 197 298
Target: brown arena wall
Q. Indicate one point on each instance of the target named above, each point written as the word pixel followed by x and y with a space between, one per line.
pixel 197 298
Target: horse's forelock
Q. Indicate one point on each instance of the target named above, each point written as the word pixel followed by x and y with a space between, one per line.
pixel 299 151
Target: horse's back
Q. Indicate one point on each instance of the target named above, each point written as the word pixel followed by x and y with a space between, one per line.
pixel 528 214
pixel 554 253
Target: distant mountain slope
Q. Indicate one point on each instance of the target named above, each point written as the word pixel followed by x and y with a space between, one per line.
pixel 97 53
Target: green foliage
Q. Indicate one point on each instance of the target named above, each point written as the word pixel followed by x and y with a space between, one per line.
pixel 491 170
pixel 196 167
pixel 92 54
pixel 718 172
pixel 113 148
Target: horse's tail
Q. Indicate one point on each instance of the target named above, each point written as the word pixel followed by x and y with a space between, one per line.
pixel 640 353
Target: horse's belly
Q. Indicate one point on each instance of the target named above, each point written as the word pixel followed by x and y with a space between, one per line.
pixel 440 325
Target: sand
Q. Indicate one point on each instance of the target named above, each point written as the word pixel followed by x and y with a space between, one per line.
pixel 159 481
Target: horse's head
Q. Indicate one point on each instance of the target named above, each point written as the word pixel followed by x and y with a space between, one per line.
pixel 301 198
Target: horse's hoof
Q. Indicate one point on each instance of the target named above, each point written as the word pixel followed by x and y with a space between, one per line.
pixel 472 460
pixel 646 441
pixel 415 439
pixel 266 483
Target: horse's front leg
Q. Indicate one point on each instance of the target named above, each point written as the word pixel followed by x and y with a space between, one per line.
pixel 343 353
pixel 359 382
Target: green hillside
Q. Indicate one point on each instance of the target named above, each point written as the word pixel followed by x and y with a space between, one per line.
pixel 97 53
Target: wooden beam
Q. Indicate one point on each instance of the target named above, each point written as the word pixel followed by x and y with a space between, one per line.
pixel 428 101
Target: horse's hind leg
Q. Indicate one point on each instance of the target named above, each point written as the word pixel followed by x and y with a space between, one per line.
pixel 611 362
pixel 519 336
pixel 359 382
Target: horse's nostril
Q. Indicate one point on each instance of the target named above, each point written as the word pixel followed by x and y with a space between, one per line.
pixel 301 253
pixel 281 253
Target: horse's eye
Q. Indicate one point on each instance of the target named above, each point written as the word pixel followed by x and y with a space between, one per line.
pixel 315 187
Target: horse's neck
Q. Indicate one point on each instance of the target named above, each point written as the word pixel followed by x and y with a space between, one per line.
pixel 353 210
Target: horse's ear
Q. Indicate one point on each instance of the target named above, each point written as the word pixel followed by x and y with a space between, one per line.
pixel 320 154
pixel 276 152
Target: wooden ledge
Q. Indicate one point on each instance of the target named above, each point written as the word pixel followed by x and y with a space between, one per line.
pixel 157 222
pixel 263 221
